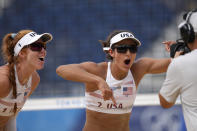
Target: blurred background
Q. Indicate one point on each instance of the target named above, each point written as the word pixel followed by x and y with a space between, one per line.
pixel 76 26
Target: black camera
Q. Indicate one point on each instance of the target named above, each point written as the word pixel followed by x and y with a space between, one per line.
pixel 179 46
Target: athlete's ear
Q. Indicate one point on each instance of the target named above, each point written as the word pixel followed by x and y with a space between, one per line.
pixel 111 52
pixel 22 53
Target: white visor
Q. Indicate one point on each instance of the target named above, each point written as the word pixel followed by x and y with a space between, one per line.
pixel 121 36
pixel 29 39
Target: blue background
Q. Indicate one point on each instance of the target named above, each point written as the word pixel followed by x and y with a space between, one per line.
pixel 143 118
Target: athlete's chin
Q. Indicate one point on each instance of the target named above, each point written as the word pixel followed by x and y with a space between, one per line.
pixel 40 67
pixel 125 69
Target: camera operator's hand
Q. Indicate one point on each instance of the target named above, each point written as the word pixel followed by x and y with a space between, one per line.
pixel 178 53
pixel 168 44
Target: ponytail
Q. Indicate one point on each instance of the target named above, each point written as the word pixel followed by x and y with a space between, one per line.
pixel 9 42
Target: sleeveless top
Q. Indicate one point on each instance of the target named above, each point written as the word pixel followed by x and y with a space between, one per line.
pixel 124 92
pixel 7 103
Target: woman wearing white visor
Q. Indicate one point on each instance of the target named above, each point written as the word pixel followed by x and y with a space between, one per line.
pixel 24 53
pixel 111 86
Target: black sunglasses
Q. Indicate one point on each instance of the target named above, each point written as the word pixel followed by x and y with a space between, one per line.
pixel 124 48
pixel 37 46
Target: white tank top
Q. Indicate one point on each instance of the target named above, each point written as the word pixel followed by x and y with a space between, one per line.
pixel 7 103
pixel 124 92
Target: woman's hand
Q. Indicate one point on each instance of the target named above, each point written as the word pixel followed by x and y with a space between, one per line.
pixel 168 44
pixel 178 53
pixel 107 92
pixel 167 47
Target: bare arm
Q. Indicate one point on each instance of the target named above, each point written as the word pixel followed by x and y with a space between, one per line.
pixel 149 65
pixel 4 82
pixel 84 72
pixel 4 87
pixel 154 66
pixel 87 72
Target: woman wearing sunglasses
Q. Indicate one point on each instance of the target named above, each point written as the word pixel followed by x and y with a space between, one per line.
pixel 111 86
pixel 24 54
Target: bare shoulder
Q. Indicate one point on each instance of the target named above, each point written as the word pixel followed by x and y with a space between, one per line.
pixel 95 68
pixel 4 81
pixel 139 64
pixel 143 63
pixel 139 68
pixel 4 69
pixel 93 64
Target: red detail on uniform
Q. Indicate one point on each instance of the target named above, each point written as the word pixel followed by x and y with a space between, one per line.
pixel 4 109
pixel 114 106
pixel 120 106
pixel 129 82
pixel 127 90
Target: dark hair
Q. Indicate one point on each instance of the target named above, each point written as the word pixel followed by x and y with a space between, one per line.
pixel 9 42
pixel 106 43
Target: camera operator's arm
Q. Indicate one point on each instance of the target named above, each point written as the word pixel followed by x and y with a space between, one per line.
pixel 171 86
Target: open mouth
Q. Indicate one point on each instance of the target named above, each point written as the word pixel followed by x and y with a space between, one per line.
pixel 41 59
pixel 127 61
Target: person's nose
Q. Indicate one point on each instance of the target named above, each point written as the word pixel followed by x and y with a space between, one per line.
pixel 128 52
pixel 43 51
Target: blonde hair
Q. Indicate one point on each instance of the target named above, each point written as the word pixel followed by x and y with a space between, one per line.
pixel 9 42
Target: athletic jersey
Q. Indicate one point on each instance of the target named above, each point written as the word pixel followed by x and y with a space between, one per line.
pixel 124 92
pixel 181 80
pixel 7 103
